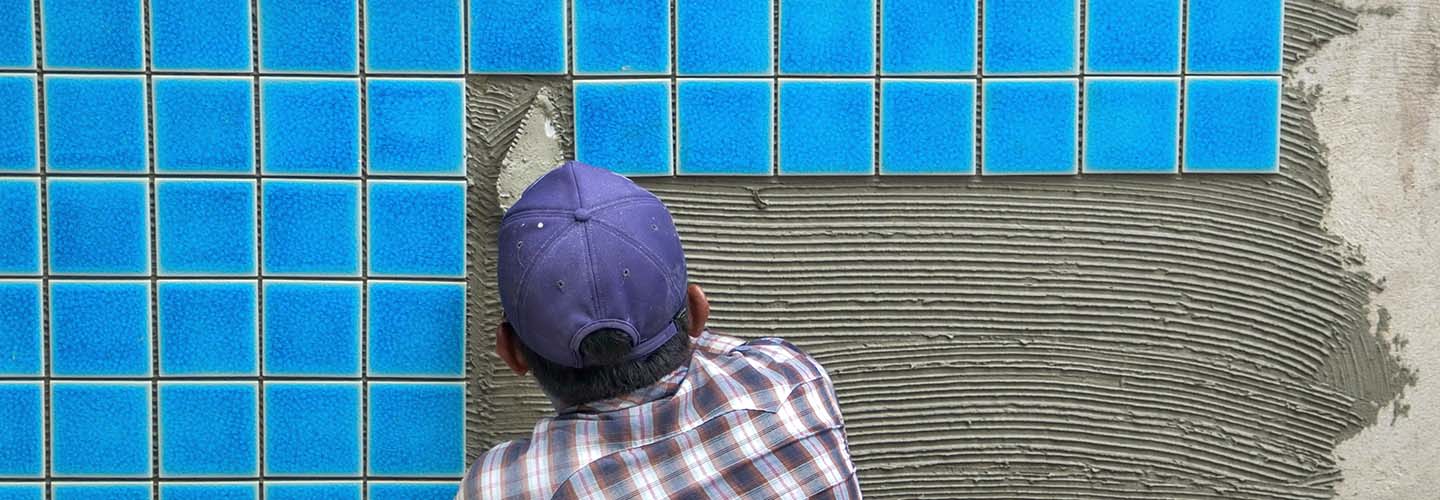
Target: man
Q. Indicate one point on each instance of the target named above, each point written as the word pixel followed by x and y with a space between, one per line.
pixel 649 403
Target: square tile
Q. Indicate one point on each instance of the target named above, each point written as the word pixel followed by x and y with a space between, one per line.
pixel 928 36
pixel 624 126
pixel 204 125
pixel 20 345
pixel 17 35
pixel 209 429
pixel 417 429
pixel 415 127
pixel 726 127
pixel 101 491
pixel 22 491
pixel 1225 36
pixel 19 135
pixel 99 226
pixel 1232 125
pixel 412 490
pixel 22 433
pixel 100 328
pixel 209 491
pixel 308 36
pixel 312 328
pixel 19 226
pixel 312 490
pixel 621 36
pixel 213 35
pixel 927 127
pixel 518 36
pixel 1032 37
pixel 417 228
pixel 1132 125
pixel 100 430
pixel 310 126
pixel 414 35
pixel 1132 36
pixel 205 227
pixel 85 34
pixel 312 429
pixel 724 38
pixel 95 124
pixel 827 127
pixel 1030 126
pixel 208 328
pixel 827 37
pixel 311 227
pixel 416 329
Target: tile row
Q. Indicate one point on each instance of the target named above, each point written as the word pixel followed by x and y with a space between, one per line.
pixel 274 490
pixel 213 429
pixel 102 329
pixel 1229 124
pixel 208 227
pixel 207 125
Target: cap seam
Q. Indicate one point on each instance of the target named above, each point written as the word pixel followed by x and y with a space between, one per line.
pixel 527 267
pixel 642 249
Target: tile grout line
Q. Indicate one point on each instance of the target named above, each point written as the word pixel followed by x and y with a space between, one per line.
pixel 775 87
pixel 674 88
pixel 41 156
pixel 876 96
pixel 979 112
pixel 1184 85
pixel 257 141
pixel 153 256
pixel 364 257
pixel 1082 11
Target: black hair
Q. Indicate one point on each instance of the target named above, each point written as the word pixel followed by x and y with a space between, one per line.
pixel 610 374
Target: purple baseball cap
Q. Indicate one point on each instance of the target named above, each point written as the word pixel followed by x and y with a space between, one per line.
pixel 585 249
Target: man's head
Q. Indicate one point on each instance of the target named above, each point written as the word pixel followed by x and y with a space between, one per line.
pixel 593 285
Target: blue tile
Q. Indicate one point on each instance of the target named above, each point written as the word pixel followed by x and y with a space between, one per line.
pixel 85 34
pixel 1232 125
pixel 417 228
pixel 928 36
pixel 22 434
pixel 624 126
pixel 1132 36
pixel 1030 127
pixel 1226 36
pixel 417 429
pixel 98 226
pixel 312 429
pixel 827 127
pixel 208 35
pixel 17 34
pixel 414 35
pixel 19 137
pixel 310 127
pixel 22 491
pixel 517 36
pixel 1032 37
pixel 20 346
pixel 312 491
pixel 622 36
pixel 208 328
pixel 927 127
pixel 19 226
pixel 308 36
pixel 726 127
pixel 1132 125
pixel 413 491
pixel 102 491
pixel 723 38
pixel 312 328
pixel 100 430
pixel 416 127
pixel 205 227
pixel 416 329
pixel 311 227
pixel 100 328
pixel 95 124
pixel 209 491
pixel 209 429
pixel 204 125
pixel 827 37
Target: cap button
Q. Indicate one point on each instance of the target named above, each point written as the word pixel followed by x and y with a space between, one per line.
pixel 582 215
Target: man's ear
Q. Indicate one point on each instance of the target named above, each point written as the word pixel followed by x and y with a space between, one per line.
pixel 699 308
pixel 508 348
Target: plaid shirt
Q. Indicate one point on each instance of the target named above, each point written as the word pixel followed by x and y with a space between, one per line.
pixel 742 420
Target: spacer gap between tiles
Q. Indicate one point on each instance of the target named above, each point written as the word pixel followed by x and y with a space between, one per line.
pixel 1184 86
pixel 364 226
pixel 979 138
pixel 153 256
pixel 257 177
pixel 876 36
pixel 87 277
pixel 258 141
pixel 674 90
pixel 1083 8
pixel 46 418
